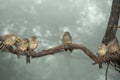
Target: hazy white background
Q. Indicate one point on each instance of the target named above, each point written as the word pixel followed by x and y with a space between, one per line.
pixel 86 20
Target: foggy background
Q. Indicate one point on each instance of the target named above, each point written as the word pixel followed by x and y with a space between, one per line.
pixel 86 20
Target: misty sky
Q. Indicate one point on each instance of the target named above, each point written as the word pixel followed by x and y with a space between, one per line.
pixel 86 20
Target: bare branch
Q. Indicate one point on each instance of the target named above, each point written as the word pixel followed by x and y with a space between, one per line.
pixel 107 70
pixel 113 20
pixel 71 46
pixel 61 48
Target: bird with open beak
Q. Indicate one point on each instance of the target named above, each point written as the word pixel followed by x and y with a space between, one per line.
pixel 102 50
pixel 32 45
pixel 8 41
pixel 66 40
pixel 21 47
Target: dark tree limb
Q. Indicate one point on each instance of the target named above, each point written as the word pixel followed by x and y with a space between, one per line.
pixel 113 22
pixel 112 28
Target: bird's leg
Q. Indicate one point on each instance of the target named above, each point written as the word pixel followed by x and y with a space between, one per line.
pixel 66 49
pixel 70 50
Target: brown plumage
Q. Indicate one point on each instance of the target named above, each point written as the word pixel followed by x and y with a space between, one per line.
pixel 113 46
pixel 32 45
pixel 67 39
pixel 102 49
pixel 7 41
pixel 21 46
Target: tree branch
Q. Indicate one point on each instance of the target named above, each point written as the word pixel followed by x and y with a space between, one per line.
pixel 111 28
pixel 61 48
pixel 113 21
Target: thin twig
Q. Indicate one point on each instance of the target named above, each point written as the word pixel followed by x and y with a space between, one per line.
pixel 107 70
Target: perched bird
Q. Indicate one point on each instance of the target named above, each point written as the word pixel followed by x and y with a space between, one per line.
pixel 7 41
pixel 102 50
pixel 21 47
pixel 32 45
pixel 67 39
pixel 113 46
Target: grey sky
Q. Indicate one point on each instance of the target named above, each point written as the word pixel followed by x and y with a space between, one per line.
pixel 86 20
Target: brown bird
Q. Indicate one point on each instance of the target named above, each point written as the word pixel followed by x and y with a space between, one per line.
pixel 67 39
pixel 7 41
pixel 113 46
pixel 32 45
pixel 102 50
pixel 21 47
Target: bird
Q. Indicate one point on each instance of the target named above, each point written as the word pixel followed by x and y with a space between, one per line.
pixel 32 45
pixel 21 47
pixel 102 50
pixel 113 46
pixel 66 40
pixel 7 41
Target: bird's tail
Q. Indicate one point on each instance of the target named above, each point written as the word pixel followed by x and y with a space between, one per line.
pixel 2 46
pixel 27 59
pixel 100 65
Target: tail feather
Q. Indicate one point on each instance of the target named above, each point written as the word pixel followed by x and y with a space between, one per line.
pixel 3 48
pixel 1 45
pixel 27 59
pixel 100 65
